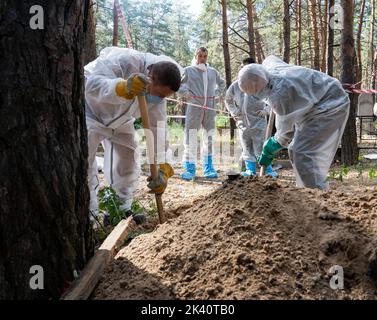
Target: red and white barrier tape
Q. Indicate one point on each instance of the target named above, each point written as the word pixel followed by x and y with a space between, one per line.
pixel 124 25
pixel 363 91
pixel 198 106
pixel 351 88
pixel 203 98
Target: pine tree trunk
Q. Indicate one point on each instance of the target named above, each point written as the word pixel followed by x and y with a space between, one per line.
pixel 323 33
pixel 260 53
pixel 286 32
pixel 310 36
pixel 349 154
pixel 359 31
pixel 374 70
pixel 44 196
pixel 228 73
pixel 315 34
pixel 250 28
pixel 371 50
pixel 258 39
pixel 115 26
pixel 299 32
pixel 330 40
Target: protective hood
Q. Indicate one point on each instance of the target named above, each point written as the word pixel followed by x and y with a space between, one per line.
pixel 253 79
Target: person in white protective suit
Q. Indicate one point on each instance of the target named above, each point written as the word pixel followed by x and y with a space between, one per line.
pixel 112 83
pixel 249 112
pixel 201 84
pixel 311 113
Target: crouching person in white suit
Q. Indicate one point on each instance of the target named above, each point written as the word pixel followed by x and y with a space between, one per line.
pixel 113 82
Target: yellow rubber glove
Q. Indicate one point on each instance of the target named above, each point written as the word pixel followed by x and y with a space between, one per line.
pixel 135 85
pixel 159 186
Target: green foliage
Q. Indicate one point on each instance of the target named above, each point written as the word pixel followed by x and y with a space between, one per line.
pixel 222 121
pixel 101 235
pixel 372 173
pixel 153 211
pixel 167 27
pixel 360 167
pixel 176 132
pixel 331 175
pixel 138 124
pixel 158 27
pixel 109 201
pixel 338 175
pixel 343 172
pixel 137 207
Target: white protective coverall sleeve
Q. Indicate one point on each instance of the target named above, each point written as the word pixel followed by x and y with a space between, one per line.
pixel 230 102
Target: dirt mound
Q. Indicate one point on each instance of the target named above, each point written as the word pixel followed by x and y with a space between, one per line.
pixel 254 239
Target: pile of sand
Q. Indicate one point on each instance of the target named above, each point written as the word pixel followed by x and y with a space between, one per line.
pixel 254 238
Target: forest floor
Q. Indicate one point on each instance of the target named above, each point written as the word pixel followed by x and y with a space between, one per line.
pixel 252 238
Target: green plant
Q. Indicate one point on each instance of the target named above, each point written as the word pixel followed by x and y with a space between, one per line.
pixel 332 175
pixel 372 173
pixel 360 167
pixel 152 209
pixel 138 124
pixel 101 235
pixel 222 121
pixel 109 201
pixel 343 172
pixel 137 207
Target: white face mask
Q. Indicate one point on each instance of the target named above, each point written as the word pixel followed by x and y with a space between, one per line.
pixel 201 67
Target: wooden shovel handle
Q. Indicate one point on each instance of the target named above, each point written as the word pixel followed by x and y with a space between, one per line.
pixel 270 126
pixel 151 153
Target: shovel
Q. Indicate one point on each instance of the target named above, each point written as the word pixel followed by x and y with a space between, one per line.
pixel 151 153
pixel 270 126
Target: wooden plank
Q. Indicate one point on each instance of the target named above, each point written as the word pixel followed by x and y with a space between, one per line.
pixel 82 287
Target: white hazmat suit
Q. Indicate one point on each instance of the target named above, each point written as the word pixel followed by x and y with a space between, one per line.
pixel 244 109
pixel 200 84
pixel 110 119
pixel 311 112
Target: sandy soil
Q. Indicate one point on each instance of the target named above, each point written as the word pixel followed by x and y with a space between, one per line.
pixel 253 238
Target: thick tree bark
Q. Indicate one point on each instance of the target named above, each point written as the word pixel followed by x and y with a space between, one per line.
pixel 330 40
pixel 286 32
pixel 250 28
pixel 299 32
pixel 44 196
pixel 359 31
pixel 315 34
pixel 349 154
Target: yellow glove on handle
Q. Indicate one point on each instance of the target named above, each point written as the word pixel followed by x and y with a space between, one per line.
pixel 159 186
pixel 135 85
